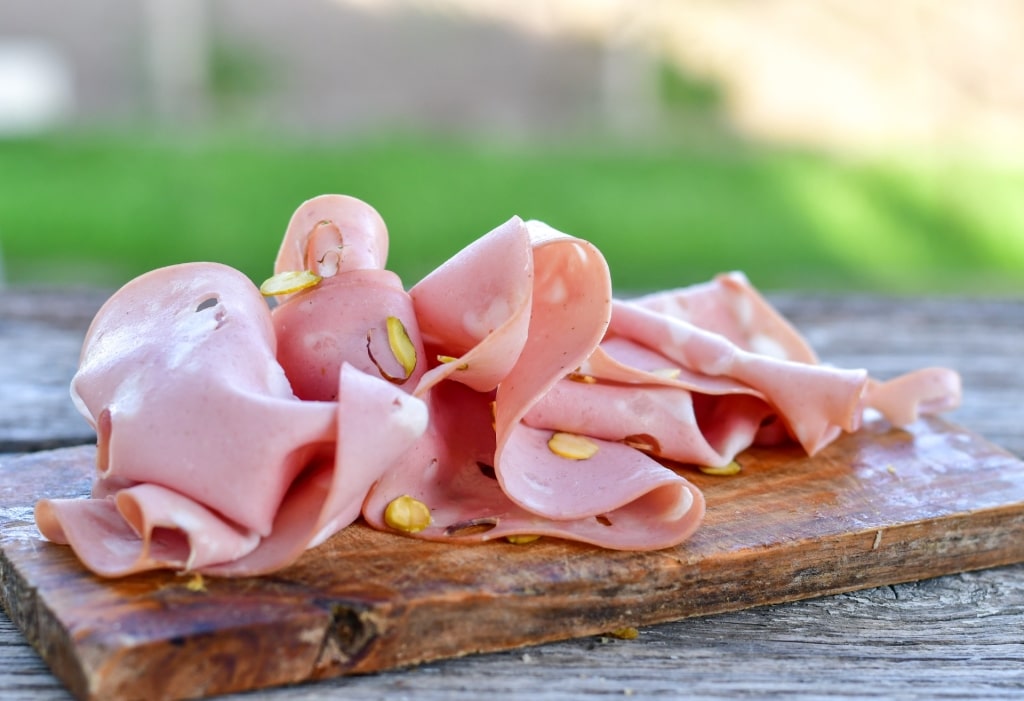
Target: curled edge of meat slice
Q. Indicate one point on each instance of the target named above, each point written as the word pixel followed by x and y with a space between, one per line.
pixel 514 312
pixel 205 459
pixel 725 330
pixel 356 313
pixel 317 237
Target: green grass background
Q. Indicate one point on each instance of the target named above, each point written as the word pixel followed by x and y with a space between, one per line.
pixel 100 208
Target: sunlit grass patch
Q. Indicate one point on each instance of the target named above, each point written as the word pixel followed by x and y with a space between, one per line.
pixel 119 205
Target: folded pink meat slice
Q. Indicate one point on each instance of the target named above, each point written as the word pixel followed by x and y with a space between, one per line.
pixel 178 375
pixel 201 443
pixel 631 390
pixel 377 423
pixel 816 402
pixel 474 310
pixel 755 325
pixel 672 422
pixel 343 319
pixel 926 391
pixel 140 528
pixel 723 337
pixel 729 306
pixel 516 311
pixel 333 232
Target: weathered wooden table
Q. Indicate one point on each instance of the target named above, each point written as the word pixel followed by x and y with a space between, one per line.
pixel 951 637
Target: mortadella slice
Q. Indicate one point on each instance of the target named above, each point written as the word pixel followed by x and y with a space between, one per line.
pixel 143 527
pixel 903 399
pixel 206 461
pixel 474 310
pixel 521 308
pixel 377 423
pixel 728 305
pixel 816 402
pixel 355 314
pixel 725 329
pixel 670 422
pixel 178 375
pixel 330 233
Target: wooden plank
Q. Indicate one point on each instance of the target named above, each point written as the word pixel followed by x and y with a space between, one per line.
pixel 913 638
pixel 41 332
pixel 878 507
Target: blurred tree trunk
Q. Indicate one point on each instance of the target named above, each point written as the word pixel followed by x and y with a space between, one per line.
pixel 178 59
pixel 629 82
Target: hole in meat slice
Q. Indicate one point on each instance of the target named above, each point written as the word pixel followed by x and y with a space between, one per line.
pixel 486 470
pixel 211 302
pixel 207 304
pixel 603 520
pixel 474 526
pixel 644 442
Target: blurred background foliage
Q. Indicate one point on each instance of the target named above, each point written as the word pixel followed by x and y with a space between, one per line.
pixel 683 138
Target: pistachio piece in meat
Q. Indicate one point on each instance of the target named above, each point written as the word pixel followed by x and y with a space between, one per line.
pixel 572 446
pixel 401 345
pixel 407 514
pixel 289 282
pixel 732 468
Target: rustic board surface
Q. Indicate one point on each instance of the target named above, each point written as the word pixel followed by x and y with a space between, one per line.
pixel 41 334
pixel 880 507
pixel 955 636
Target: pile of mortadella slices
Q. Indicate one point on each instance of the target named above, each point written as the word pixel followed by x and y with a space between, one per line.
pixel 507 393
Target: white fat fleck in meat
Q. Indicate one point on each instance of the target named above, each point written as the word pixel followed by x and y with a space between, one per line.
pixel 744 310
pixel 766 345
pixel 556 291
pixel 411 416
pixel 679 335
pixel 621 406
pixel 323 342
pixel 478 323
pixel 672 405
pixel 676 307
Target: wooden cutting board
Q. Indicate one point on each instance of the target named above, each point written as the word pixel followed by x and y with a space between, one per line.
pixel 879 507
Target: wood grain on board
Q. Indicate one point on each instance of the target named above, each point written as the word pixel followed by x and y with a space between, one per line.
pixel 877 507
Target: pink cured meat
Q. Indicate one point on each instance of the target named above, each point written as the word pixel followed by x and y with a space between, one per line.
pixel 231 438
pixel 926 391
pixel 516 311
pixel 205 458
pixel 731 307
pixel 671 422
pixel 332 232
pixel 343 319
pixel 699 374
